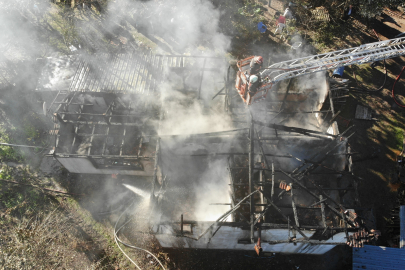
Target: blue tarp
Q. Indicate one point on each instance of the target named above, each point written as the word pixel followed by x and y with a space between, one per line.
pixel 378 258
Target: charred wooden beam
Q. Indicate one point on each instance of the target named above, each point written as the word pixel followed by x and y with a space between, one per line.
pixel 123 141
pixel 189 56
pixel 262 213
pixel 223 217
pixel 279 206
pixel 126 157
pixel 310 188
pixel 105 140
pixel 100 114
pixel 339 214
pixel 91 139
pixel 98 135
pixel 195 69
pixel 330 98
pixel 312 242
pixel 232 182
pixel 354 179
pixel 297 223
pixel 284 216
pixel 335 116
pixel 320 201
pixel 74 140
pixel 334 143
pixel 327 196
pixel 322 211
pixel 64 99
pixel 219 93
pixel 285 97
pixel 155 168
pixel 208 134
pixel 237 154
pixel 60 119
pixel 202 75
pixel 83 104
pixel 345 96
pixel 262 181
pixel 265 226
pixel 307 132
pixel 140 146
pixel 102 123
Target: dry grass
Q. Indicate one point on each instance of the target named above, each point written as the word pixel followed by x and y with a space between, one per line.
pixel 40 231
pixel 43 242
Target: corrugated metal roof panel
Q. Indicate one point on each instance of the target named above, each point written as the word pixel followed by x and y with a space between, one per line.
pixel 374 257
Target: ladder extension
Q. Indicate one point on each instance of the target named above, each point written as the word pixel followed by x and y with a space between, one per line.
pixel 366 53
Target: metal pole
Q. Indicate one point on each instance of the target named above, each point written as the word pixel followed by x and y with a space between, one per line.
pixel 251 187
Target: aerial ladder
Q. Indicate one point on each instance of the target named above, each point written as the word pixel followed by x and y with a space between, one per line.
pixel 277 72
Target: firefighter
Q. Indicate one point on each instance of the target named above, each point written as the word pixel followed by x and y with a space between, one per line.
pixel 254 84
pixel 256 65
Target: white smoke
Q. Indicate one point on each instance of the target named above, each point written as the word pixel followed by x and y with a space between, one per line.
pixel 183 25
pixel 213 187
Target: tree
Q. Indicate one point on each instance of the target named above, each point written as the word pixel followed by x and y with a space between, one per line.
pixel 365 8
pixel 371 8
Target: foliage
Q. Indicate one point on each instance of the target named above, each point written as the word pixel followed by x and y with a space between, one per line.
pixel 44 242
pixel 31 132
pixel 326 33
pixel 365 8
pixel 7 152
pixel 250 9
pixel 62 22
pixel 369 9
pixel 246 19
pixel 38 233
pixel 17 200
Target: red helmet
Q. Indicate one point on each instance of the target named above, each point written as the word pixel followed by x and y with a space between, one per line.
pixel 259 60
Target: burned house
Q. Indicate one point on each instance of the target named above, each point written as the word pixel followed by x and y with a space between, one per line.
pixel 281 181
pixel 277 179
pixel 107 119
pixel 267 191
pixel 104 133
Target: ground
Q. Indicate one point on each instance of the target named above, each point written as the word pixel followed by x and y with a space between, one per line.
pixel 84 219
